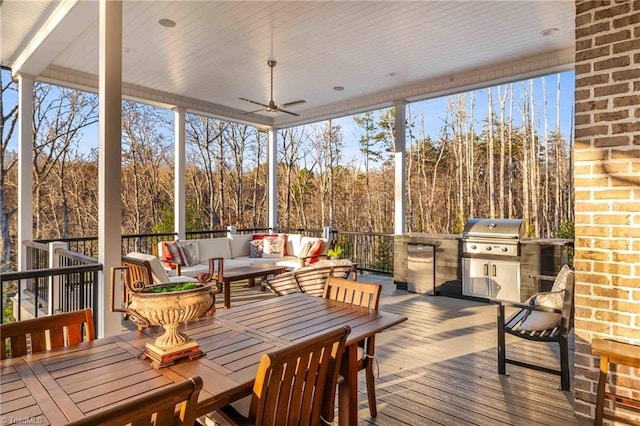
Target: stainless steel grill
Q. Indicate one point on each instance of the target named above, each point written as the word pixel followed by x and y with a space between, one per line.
pixel 491 258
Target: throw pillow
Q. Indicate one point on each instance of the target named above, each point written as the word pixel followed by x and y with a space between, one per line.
pixel 176 253
pixel 190 253
pixel 165 256
pixel 255 248
pixel 304 250
pixel 273 246
pixel 537 320
pixel 314 251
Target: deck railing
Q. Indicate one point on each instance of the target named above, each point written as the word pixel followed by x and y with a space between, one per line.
pixel 372 251
pixel 75 289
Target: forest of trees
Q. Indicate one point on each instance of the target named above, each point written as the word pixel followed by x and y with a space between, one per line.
pixel 517 165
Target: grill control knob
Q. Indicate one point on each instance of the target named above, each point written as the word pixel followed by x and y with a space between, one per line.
pixel 473 246
pixel 488 248
pixel 504 249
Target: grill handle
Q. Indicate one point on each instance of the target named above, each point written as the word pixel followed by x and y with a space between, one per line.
pixel 493 270
pixel 486 269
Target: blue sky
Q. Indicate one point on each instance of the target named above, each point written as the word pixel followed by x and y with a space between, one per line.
pixel 434 111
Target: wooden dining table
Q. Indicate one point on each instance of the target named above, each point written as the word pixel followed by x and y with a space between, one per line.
pixel 62 385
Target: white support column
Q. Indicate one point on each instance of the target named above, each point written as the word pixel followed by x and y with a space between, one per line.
pixel 25 168
pixel 400 176
pixel 179 203
pixel 110 159
pixel 272 179
pixel 54 282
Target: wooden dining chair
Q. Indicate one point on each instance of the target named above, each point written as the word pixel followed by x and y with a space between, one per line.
pixel 295 385
pixel 366 295
pixel 155 408
pixel 50 332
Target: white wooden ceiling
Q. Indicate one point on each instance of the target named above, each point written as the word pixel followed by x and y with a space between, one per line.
pixel 217 52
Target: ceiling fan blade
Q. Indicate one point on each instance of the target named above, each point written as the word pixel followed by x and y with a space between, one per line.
pixel 253 102
pixel 254 111
pixel 288 104
pixel 287 112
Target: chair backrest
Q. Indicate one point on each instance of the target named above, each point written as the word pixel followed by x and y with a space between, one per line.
pixel 355 292
pixel 567 306
pixel 313 280
pixel 51 332
pixel 310 279
pixel 297 384
pixel 283 284
pixel 152 263
pixel 161 403
pixel 137 270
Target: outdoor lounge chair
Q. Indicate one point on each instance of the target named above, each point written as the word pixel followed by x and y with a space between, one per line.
pixel 43 333
pixel 310 279
pixel 545 317
pixel 155 408
pixel 366 295
pixel 295 385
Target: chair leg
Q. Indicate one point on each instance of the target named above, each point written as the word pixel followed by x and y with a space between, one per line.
pixel 502 369
pixel 564 364
pixel 371 388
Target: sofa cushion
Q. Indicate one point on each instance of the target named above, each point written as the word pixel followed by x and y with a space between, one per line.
pixel 315 250
pixel 173 253
pixel 214 247
pixel 189 252
pixel 273 246
pixel 292 245
pixel 239 245
pixel 255 249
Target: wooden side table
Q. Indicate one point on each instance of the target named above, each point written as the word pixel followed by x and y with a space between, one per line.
pixel 616 353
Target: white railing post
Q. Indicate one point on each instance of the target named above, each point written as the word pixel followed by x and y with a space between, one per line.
pixel 231 231
pixel 54 281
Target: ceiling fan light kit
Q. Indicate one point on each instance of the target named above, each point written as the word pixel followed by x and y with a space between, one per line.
pixel 271 106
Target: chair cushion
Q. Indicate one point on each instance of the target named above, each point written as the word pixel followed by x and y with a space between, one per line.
pixel 561 279
pixel 158 273
pixel 536 320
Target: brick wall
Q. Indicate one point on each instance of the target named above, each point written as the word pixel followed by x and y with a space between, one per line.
pixel 607 188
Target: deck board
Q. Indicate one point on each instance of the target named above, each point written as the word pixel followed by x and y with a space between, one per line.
pixel 440 366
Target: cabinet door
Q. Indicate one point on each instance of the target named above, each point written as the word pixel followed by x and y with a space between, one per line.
pixel 505 280
pixel 475 277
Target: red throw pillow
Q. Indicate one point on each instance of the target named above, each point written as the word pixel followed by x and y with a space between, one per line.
pixel 175 253
pixel 315 250
pixel 166 255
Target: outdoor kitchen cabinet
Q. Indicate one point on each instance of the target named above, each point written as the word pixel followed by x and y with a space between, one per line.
pixel 499 279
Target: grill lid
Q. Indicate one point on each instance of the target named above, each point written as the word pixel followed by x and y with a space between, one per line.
pixel 494 228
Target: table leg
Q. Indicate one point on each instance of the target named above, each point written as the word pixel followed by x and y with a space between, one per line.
pixel 251 283
pixel 348 389
pixel 602 382
pixel 227 294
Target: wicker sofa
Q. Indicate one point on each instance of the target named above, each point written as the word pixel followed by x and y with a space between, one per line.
pixel 234 251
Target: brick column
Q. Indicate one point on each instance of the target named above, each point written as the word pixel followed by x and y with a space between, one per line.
pixel 607 189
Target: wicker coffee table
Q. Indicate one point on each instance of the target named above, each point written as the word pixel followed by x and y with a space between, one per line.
pixel 240 273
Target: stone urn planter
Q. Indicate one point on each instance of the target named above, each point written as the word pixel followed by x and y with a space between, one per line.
pixel 168 305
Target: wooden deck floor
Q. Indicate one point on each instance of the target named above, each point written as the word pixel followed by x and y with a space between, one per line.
pixel 439 367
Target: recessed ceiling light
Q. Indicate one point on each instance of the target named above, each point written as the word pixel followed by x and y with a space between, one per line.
pixel 167 23
pixel 392 74
pixel 549 32
pixel 338 88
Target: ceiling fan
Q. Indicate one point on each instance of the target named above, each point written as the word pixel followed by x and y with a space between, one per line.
pixel 271 106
